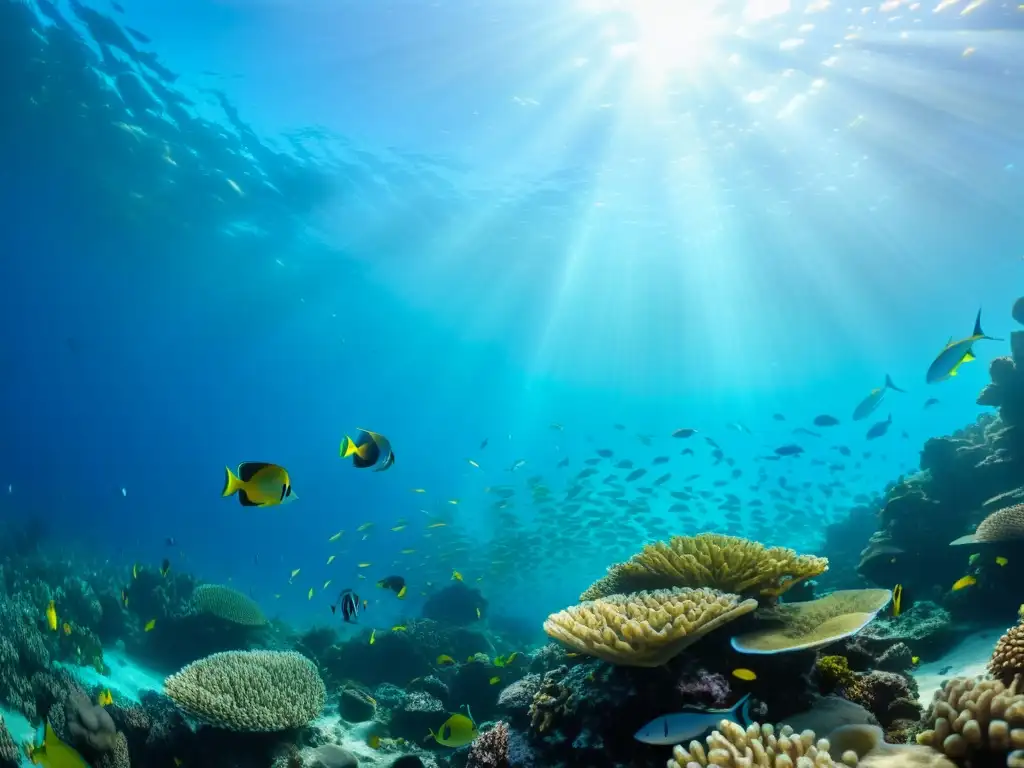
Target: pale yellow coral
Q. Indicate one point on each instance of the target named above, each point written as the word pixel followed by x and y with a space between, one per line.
pixel 732 746
pixel 250 690
pixel 1006 524
pixel 228 604
pixel 1008 657
pixel 977 720
pixel 645 629
pixel 727 563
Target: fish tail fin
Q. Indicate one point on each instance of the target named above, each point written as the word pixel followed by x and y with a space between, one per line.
pixel 890 385
pixel 980 334
pixel 741 710
pixel 231 482
pixel 348 447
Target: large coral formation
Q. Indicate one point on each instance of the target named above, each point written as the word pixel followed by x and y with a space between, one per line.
pixel 974 721
pixel 726 563
pixel 249 690
pixel 227 604
pixel 815 623
pixel 1006 524
pixel 1008 657
pixel 645 629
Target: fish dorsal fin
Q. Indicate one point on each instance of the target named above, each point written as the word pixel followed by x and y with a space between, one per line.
pixel 248 469
pixel 977 326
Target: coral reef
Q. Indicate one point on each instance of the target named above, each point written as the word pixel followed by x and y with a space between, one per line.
pixel 977 722
pixel 227 604
pixel 725 563
pixel 250 691
pixel 645 629
pixel 490 748
pixel 455 605
pixel 1008 657
pixel 732 746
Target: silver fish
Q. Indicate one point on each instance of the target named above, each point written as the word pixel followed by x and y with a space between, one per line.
pixel 681 727
pixel 867 406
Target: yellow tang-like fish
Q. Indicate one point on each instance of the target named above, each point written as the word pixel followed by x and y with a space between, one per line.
pixel 51 616
pixel 54 753
pixel 105 698
pixel 149 625
pixel 744 674
pixel 897 600
pixel 964 581
pixel 456 576
pixel 259 484
pixel 457 731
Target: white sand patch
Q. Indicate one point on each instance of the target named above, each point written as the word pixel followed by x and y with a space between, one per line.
pixel 968 659
pixel 127 679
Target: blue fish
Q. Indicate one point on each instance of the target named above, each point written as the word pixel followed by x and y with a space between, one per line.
pixel 955 354
pixel 682 727
pixel 867 406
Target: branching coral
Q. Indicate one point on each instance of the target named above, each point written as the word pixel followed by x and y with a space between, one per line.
pixel 732 746
pixel 552 701
pixel 490 749
pixel 1008 657
pixel 974 720
pixel 645 629
pixel 227 604
pixel 726 563
pixel 834 672
pixel 249 690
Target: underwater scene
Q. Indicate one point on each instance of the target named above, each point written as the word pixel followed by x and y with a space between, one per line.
pixel 512 384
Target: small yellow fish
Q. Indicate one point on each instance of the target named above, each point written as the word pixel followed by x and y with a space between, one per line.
pixel 743 673
pixel 473 463
pixel 897 599
pixel 453 501
pixel 973 558
pixel 149 625
pixel 1001 560
pixel 964 581
pixel 259 484
pixel 495 680
pixel 915 660
pixel 437 525
pixel 419 490
pixel 373 741
pixel 105 698
pixel 444 660
pixel 330 559
pixel 309 596
pixel 135 571
pixel 399 628
pixel 408 551
pixel 178 762
pixel 294 574
pixel 572 654
pixel 365 565
pixel 456 576
pixel 364 526
pixel 67 628
pixel 398 528
pixel 511 657
pixel 327 584
pixel 360 576
pixel 477 608
pixel 277 596
pixel 51 616
pixel 336 536
pixel 373 636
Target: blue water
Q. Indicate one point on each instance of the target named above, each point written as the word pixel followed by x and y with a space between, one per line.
pixel 454 221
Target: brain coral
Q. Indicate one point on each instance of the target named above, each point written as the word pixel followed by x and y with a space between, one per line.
pixel 249 690
pixel 1006 524
pixel 1008 657
pixel 977 722
pixel 645 629
pixel 228 604
pixel 732 746
pixel 727 563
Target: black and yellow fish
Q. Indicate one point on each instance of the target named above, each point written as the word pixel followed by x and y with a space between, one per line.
pixel 395 583
pixel 259 484
pixel 369 450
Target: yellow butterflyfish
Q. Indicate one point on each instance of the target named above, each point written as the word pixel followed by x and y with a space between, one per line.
pixel 915 660
pixel 330 559
pixel 105 698
pixel 444 660
pixel 51 616
pixel 456 576
pixel 495 680
pixel 336 536
pixel 1000 560
pixel 964 581
pixel 457 731
pixel 149 625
